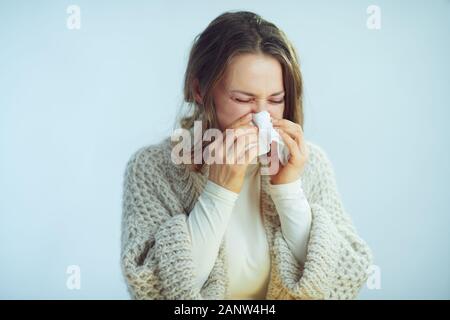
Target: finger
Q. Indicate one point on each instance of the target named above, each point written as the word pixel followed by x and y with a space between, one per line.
pixel 242 126
pixel 291 144
pixel 245 129
pixel 287 125
pixel 243 144
pixel 303 148
pixel 225 144
pixel 249 155
pixel 294 130
pixel 233 142
pixel 241 121
pixel 230 139
pixel 296 133
pixel 291 128
pixel 252 153
pixel 235 133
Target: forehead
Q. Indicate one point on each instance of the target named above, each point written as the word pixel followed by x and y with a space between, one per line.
pixel 256 73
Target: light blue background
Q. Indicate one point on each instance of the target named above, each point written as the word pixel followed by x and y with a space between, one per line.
pixel 75 104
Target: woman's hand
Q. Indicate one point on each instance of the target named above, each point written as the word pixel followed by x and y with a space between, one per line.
pixel 292 135
pixel 230 172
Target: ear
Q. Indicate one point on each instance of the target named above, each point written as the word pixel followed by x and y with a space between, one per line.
pixel 197 94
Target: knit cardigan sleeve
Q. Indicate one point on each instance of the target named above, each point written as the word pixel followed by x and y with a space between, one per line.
pixel 337 258
pixel 155 256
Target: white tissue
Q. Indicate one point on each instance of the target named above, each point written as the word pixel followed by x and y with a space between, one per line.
pixel 267 134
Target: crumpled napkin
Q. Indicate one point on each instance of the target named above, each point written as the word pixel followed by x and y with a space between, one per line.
pixel 267 134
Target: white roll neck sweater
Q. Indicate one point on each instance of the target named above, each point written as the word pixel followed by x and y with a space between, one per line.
pixel 222 213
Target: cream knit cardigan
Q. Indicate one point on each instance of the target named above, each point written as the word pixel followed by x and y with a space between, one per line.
pixel 156 256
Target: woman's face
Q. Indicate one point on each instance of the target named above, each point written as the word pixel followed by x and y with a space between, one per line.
pixel 252 83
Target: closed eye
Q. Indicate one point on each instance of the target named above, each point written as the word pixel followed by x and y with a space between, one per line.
pixel 243 100
pixel 277 101
pixel 250 100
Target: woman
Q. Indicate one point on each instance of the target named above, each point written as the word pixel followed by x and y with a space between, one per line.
pixel 225 230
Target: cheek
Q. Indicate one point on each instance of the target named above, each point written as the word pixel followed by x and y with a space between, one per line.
pixel 228 112
pixel 277 111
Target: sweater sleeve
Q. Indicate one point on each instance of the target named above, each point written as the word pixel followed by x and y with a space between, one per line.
pixel 295 216
pixel 207 224
pixel 337 258
pixel 156 256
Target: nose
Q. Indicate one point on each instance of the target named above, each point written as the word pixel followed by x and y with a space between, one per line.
pixel 260 105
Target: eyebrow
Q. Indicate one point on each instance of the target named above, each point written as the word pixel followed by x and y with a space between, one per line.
pixel 252 95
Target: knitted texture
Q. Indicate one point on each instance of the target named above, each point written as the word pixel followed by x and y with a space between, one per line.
pixel 156 256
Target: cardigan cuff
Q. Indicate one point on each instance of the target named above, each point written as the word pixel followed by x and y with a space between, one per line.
pixel 172 251
pixel 311 281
